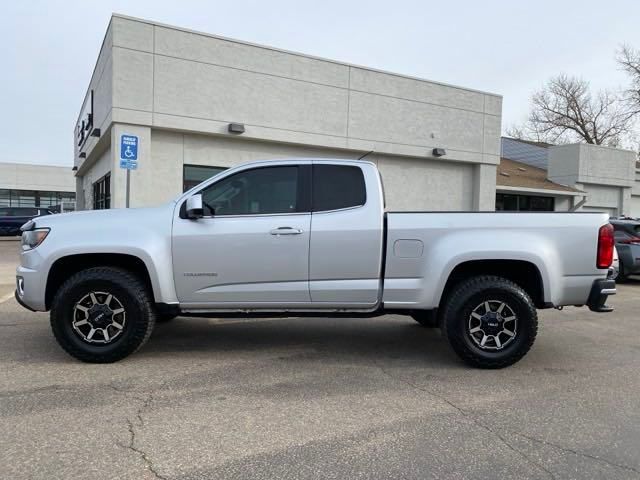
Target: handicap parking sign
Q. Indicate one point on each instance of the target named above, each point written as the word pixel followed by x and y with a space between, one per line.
pixel 129 152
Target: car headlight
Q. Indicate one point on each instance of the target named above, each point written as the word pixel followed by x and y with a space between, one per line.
pixel 32 238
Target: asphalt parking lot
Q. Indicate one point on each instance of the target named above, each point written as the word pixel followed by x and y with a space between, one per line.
pixel 321 398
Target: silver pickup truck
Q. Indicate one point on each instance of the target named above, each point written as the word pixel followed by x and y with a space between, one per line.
pixel 309 238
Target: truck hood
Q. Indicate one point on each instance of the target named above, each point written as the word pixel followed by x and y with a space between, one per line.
pixel 118 217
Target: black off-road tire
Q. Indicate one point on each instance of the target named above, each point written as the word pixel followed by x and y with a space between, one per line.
pixel 623 276
pixel 425 318
pixel 465 297
pixel 131 292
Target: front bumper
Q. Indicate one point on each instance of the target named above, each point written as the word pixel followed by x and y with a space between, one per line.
pixel 600 290
pixel 30 289
pixel 19 300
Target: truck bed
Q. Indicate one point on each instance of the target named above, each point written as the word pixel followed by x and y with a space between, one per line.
pixel 423 248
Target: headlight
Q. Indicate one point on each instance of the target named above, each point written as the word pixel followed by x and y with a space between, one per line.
pixel 32 238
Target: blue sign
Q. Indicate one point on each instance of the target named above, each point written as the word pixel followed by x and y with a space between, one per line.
pixel 129 152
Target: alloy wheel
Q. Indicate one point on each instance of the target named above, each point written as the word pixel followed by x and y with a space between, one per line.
pixel 99 318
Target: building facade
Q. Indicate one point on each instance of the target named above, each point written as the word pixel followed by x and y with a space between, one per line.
pixel 45 186
pixel 590 177
pixel 196 103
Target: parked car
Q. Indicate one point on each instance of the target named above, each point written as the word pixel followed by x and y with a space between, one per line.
pixel 627 236
pixel 614 269
pixel 309 238
pixel 12 218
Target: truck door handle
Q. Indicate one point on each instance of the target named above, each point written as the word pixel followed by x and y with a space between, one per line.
pixel 285 231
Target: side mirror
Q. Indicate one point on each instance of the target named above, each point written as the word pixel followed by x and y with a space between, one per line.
pixel 194 207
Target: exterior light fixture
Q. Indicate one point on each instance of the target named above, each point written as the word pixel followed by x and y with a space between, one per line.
pixel 236 128
pixel 439 152
pixel 82 155
pixel 74 169
pixel 95 132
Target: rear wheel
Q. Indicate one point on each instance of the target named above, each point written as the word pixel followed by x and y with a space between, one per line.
pixel 489 321
pixel 102 314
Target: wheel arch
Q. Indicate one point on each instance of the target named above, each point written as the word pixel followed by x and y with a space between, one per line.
pixel 64 267
pixel 521 272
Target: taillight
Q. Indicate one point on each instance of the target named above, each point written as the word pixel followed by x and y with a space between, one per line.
pixel 605 246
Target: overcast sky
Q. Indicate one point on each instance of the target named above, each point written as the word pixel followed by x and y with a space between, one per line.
pixel 48 49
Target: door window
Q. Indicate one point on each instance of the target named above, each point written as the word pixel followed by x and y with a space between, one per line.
pixel 268 190
pixel 337 186
pixel 196 174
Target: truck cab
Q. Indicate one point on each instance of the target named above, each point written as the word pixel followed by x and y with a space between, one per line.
pixel 291 236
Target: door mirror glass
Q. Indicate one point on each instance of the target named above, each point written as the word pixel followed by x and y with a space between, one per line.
pixel 194 207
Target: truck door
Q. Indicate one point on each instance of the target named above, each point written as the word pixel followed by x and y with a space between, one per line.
pixel 346 235
pixel 251 249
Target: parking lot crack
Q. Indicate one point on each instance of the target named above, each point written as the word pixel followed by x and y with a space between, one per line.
pixel 470 417
pixel 138 422
pixel 125 392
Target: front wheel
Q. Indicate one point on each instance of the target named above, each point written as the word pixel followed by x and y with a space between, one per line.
pixel 489 321
pixel 102 314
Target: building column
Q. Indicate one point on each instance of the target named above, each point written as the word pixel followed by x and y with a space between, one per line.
pixel 484 187
pixel 625 201
pixel 80 203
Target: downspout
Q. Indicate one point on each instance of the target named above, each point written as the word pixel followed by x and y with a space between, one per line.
pixel 579 204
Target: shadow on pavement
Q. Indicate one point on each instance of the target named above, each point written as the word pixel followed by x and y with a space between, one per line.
pixel 362 340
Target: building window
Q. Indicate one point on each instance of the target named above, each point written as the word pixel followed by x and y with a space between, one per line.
pixel 196 174
pixel 524 203
pixel 5 198
pixel 102 193
pixel 34 198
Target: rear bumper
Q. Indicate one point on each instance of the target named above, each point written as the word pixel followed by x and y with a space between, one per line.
pixel 600 290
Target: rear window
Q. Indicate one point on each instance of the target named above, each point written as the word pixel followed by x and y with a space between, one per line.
pixel 337 186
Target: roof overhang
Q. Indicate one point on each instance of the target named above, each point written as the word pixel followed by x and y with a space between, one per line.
pixel 539 191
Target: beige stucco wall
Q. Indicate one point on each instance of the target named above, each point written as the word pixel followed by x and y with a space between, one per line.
pixel 563 204
pixel 635 206
pixel 24 176
pixel 409 183
pixel 606 174
pixel 179 90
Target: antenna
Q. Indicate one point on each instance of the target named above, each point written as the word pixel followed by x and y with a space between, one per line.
pixel 368 153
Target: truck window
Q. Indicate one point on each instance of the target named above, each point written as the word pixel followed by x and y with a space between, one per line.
pixel 259 191
pixel 337 186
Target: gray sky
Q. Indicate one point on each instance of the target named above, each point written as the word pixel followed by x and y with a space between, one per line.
pixel 48 49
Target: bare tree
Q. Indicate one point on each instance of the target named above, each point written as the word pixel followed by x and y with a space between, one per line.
pixel 629 59
pixel 565 111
